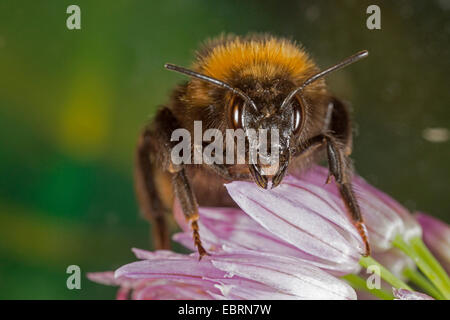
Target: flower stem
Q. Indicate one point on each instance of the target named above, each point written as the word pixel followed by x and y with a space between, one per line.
pixel 426 263
pixel 385 274
pixel 423 251
pixel 419 280
pixel 360 284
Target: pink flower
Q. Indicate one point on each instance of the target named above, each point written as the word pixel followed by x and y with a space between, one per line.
pixel 286 243
pixel 436 235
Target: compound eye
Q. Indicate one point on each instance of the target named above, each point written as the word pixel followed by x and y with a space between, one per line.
pixel 236 112
pixel 298 109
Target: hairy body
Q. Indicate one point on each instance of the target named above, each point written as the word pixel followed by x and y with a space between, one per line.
pixel 265 82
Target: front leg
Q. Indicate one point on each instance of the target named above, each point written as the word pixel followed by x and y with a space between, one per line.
pixel 223 172
pixel 339 168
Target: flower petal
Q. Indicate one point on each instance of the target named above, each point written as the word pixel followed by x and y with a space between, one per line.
pixel 184 267
pixel 106 277
pixel 159 254
pixel 176 290
pixel 287 276
pixel 403 294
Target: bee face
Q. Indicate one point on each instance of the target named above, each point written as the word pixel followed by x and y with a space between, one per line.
pixel 270 117
pixel 269 114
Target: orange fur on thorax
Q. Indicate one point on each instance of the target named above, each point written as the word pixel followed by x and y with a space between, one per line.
pixel 259 58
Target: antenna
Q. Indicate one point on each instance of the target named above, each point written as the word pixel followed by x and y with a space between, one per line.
pixel 352 59
pixel 214 81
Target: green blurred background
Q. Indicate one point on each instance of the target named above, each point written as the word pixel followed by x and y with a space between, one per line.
pixel 73 102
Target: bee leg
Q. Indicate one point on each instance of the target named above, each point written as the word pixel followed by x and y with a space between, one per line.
pixel 309 147
pixel 340 169
pixel 153 162
pixel 339 166
pixel 224 173
pixel 150 202
pixel 188 202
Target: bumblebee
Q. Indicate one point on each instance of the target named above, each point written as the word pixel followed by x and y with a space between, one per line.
pixel 259 82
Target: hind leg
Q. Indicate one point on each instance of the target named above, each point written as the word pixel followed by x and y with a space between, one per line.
pixel 157 180
pixel 151 204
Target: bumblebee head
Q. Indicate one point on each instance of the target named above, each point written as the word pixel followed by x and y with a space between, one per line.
pixel 268 86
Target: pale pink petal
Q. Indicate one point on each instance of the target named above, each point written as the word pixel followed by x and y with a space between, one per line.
pixel 176 290
pixel 237 288
pixel 126 285
pixel 183 268
pixel 403 294
pixel 233 292
pixel 159 254
pixel 122 293
pixel 287 276
pixel 106 278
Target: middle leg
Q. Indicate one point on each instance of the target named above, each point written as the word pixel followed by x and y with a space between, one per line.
pixel 189 206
